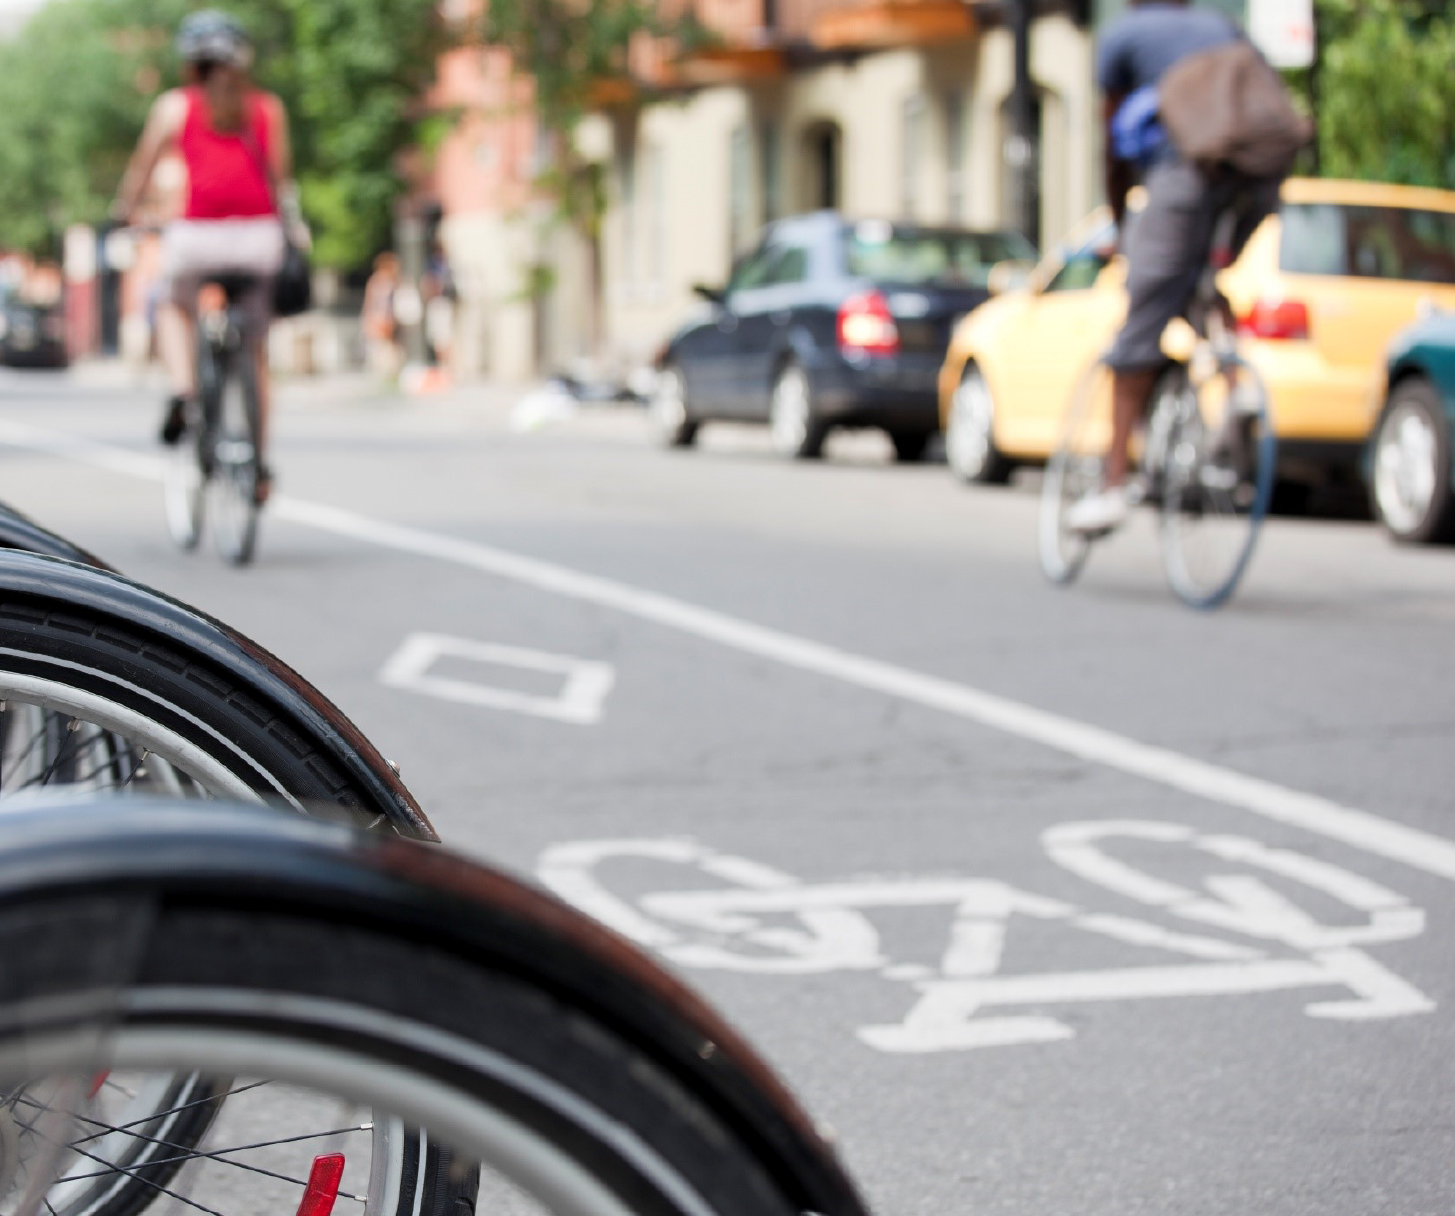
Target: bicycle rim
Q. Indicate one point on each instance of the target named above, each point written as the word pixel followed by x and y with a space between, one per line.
pixel 56 740
pixel 235 474
pixel 184 489
pixel 1073 471
pixel 1221 454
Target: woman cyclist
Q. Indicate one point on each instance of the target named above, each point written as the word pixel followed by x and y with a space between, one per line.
pixel 233 139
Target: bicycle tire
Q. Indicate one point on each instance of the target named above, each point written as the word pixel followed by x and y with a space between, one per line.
pixel 412 980
pixel 235 464
pixel 1074 470
pixel 19 531
pixel 1218 481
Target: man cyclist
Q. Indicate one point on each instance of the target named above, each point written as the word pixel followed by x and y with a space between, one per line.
pixel 1168 246
pixel 233 139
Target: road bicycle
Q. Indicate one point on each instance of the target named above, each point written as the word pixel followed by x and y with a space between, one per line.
pixel 1206 455
pixel 216 465
pixel 216 1008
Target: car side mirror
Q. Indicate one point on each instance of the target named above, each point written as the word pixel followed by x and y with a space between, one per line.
pixel 1007 276
pixel 713 295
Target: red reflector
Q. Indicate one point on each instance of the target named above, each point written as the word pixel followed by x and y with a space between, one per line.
pixel 97 1082
pixel 866 325
pixel 322 1190
pixel 1278 320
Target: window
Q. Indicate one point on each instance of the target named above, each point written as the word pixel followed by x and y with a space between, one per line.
pixel 792 267
pixel 912 122
pixel 888 254
pixel 1084 263
pixel 770 174
pixel 757 269
pixel 1368 242
pixel 739 224
pixel 955 156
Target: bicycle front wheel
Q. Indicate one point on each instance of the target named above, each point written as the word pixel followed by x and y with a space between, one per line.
pixel 330 982
pixel 1217 481
pixel 236 459
pixel 1074 471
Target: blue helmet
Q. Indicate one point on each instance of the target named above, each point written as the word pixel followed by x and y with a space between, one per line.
pixel 214 36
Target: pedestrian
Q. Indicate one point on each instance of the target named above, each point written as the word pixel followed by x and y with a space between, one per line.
pixel 378 317
pixel 439 307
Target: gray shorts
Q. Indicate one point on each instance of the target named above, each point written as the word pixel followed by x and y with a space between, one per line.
pixel 1167 249
pixel 195 252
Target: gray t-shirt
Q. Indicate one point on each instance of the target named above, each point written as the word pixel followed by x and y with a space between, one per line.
pixel 1145 41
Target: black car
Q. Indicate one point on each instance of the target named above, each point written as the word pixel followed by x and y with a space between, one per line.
pixel 31 334
pixel 829 322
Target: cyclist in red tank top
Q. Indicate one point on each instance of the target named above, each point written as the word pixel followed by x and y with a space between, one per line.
pixel 240 197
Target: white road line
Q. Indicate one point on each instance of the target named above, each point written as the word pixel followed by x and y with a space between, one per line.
pixel 1361 829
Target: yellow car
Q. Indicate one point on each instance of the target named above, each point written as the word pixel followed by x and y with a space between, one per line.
pixel 1319 291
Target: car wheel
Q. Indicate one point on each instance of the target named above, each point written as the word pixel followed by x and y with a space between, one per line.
pixel 909 446
pixel 1411 480
pixel 970 433
pixel 674 425
pixel 796 431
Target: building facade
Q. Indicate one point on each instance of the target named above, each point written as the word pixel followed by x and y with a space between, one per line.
pixel 883 108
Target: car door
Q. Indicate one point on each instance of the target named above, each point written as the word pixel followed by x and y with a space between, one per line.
pixel 1065 324
pixel 768 311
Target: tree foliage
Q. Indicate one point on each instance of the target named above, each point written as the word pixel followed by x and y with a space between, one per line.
pixel 77 81
pixel 1384 92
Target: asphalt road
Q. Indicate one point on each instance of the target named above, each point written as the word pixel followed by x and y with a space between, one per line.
pixel 1046 901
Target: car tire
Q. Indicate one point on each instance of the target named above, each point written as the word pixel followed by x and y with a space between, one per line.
pixel 909 446
pixel 970 449
pixel 797 431
pixel 672 421
pixel 1410 478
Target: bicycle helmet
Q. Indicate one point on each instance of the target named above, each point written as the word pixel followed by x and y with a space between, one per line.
pixel 215 37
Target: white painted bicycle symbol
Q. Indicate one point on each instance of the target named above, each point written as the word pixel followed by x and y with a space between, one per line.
pixel 1237 934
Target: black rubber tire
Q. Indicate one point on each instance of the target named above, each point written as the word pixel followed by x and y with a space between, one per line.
pixel 909 446
pixel 816 429
pixel 1437 524
pixel 996 468
pixel 312 978
pixel 680 432
pixel 235 483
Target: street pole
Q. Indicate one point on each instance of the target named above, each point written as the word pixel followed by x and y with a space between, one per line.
pixel 1021 151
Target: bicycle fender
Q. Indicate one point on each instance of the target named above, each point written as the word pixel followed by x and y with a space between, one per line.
pixel 56 583
pixel 165 853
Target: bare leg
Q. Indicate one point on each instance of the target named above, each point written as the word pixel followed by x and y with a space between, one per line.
pixel 176 346
pixel 1130 392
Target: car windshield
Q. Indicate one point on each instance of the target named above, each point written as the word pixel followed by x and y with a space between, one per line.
pixel 1368 242
pixel 889 253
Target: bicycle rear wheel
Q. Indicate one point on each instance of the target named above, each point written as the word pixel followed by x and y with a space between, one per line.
pixel 184 488
pixel 236 458
pixel 1074 470
pixel 1218 480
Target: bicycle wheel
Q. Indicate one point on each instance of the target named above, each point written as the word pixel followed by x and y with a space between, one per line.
pixel 184 488
pixel 235 459
pixel 432 992
pixel 1074 471
pixel 1218 480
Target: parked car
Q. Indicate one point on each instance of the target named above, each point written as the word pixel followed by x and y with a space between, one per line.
pixel 31 334
pixel 1319 291
pixel 829 322
pixel 1409 459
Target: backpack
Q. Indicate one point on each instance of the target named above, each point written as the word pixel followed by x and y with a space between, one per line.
pixel 1227 106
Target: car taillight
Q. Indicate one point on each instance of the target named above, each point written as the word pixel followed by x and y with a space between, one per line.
pixel 866 325
pixel 1279 320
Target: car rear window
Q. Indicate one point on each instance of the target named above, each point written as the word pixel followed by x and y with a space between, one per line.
pixel 892 254
pixel 1368 242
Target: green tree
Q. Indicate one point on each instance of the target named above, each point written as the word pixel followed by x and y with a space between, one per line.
pixel 76 84
pixel 1384 91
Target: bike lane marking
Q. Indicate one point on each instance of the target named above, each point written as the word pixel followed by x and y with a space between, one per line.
pixel 1358 828
pixel 967 1000
pixel 584 682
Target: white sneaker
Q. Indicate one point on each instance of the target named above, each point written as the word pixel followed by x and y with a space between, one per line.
pixel 1100 511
